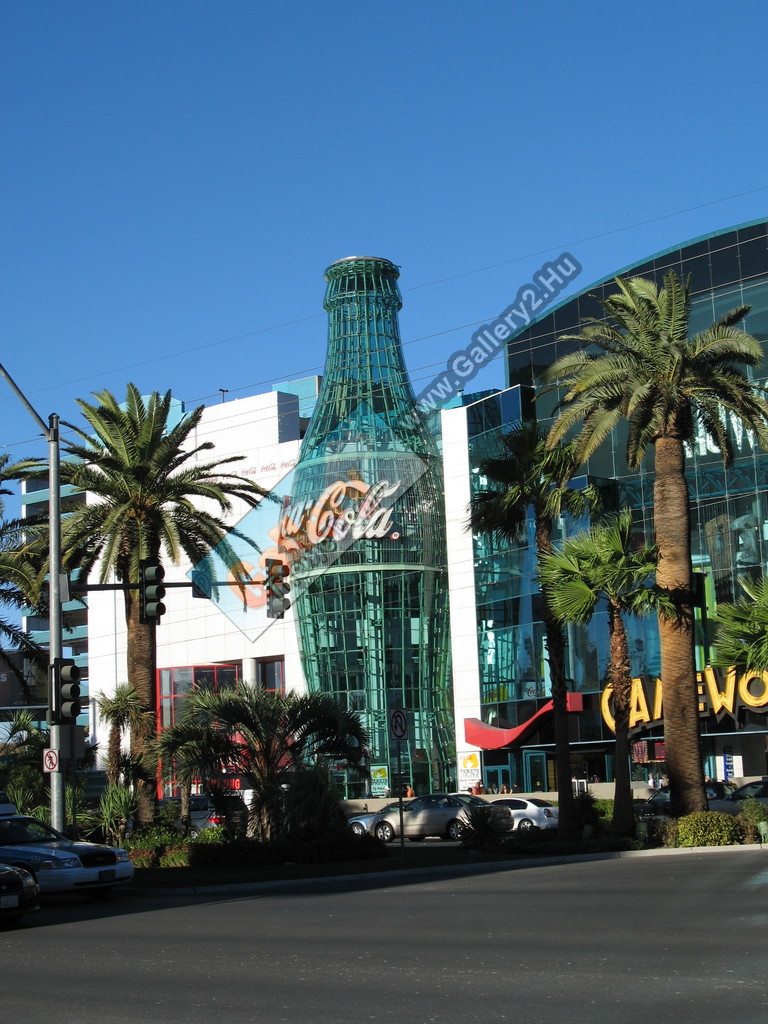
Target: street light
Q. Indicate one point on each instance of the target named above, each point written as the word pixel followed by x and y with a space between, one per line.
pixel 51 434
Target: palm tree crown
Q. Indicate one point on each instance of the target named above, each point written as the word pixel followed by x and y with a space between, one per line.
pixel 640 365
pixel 649 372
pixel 145 486
pixel 742 631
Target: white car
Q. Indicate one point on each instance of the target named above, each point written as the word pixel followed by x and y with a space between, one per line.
pixel 60 864
pixel 527 812
pixel 731 804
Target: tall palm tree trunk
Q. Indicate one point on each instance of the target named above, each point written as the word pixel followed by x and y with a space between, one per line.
pixel 621 681
pixel 678 655
pixel 142 660
pixel 555 641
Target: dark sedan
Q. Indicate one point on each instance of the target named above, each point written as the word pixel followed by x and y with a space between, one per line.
pixel 19 894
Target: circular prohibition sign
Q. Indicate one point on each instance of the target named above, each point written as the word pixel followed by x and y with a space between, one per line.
pixel 51 760
pixel 398 724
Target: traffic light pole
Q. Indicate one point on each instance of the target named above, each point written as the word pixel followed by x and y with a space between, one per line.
pixel 51 434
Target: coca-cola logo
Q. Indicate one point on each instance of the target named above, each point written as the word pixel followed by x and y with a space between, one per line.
pixel 346 511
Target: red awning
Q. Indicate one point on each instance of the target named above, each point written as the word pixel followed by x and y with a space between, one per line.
pixel 489 737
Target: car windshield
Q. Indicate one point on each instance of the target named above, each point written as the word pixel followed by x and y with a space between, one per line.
pixel 21 831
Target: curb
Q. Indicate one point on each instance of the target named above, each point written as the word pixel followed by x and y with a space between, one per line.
pixel 408 874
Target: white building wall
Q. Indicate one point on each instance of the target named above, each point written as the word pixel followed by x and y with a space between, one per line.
pixel 461 589
pixel 265 429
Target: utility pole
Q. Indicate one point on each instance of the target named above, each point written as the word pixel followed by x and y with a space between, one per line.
pixel 51 434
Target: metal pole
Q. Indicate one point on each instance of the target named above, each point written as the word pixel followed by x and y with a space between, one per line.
pixel 51 433
pixel 58 779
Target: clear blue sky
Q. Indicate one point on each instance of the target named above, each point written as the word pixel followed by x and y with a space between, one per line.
pixel 177 174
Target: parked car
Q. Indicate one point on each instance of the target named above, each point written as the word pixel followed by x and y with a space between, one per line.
pixel 360 823
pixel 229 809
pixel 657 805
pixel 731 802
pixel 19 894
pixel 57 863
pixel 438 814
pixel 525 812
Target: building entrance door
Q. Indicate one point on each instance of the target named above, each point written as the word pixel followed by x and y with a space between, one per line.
pixel 534 771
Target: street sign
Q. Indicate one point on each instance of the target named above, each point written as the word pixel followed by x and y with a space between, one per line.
pixel 50 760
pixel 398 725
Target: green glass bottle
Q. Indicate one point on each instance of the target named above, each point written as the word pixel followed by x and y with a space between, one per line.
pixel 366 515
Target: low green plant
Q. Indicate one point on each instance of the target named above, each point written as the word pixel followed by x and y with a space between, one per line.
pixel 709 828
pixel 751 814
pixel 483 830
pixel 117 806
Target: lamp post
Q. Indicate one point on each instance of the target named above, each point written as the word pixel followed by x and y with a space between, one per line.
pixel 51 434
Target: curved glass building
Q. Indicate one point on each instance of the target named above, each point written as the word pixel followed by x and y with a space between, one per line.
pixel 369 589
pixel 729 541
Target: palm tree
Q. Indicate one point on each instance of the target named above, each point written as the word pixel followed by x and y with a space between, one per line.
pixel 640 365
pixel 144 479
pixel 530 478
pixel 742 631
pixel 605 564
pixel 121 711
pixel 266 738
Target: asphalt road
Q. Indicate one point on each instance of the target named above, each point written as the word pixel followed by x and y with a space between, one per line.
pixel 656 939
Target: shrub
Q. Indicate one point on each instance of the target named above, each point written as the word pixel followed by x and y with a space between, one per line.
pixel 148 846
pixel 752 812
pixel 483 830
pixel 709 828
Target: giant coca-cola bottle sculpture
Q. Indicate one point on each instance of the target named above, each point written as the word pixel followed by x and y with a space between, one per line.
pixel 366 515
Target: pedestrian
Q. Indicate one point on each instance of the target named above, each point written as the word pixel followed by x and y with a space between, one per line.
pixel 410 791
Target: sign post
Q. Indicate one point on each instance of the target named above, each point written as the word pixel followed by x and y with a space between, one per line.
pixel 398 731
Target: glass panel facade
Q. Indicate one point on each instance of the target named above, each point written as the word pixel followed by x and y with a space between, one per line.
pixel 729 512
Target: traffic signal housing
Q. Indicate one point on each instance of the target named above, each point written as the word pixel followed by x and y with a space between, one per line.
pixel 66 690
pixel 151 592
pixel 276 586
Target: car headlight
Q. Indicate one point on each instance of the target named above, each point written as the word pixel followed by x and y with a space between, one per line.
pixel 62 862
pixel 121 856
pixel 28 879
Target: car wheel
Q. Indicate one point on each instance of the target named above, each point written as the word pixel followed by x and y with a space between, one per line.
pixel 525 823
pixel 193 833
pixel 455 830
pixel 357 828
pixel 385 832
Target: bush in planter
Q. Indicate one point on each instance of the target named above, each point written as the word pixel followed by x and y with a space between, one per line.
pixel 709 828
pixel 752 812
pixel 148 846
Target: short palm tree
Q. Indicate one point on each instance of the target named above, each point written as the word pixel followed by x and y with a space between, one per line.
pixel 529 478
pixel 123 710
pixel 639 365
pixel 742 630
pixel 266 738
pixel 605 564
pixel 149 492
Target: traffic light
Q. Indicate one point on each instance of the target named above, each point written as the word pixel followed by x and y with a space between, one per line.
pixel 277 588
pixel 151 592
pixel 66 690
